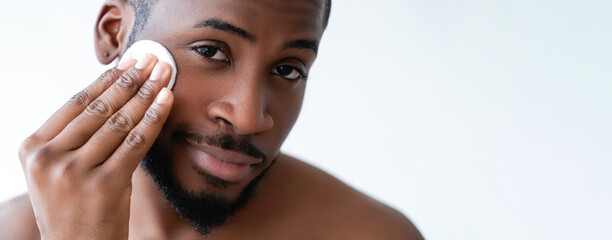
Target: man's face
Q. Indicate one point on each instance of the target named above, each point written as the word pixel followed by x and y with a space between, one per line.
pixel 240 84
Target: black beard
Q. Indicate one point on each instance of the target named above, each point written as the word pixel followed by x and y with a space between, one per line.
pixel 204 211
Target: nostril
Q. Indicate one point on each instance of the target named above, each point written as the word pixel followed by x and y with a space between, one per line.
pixel 224 121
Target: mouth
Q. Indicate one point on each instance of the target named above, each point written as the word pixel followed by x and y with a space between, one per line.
pixel 227 165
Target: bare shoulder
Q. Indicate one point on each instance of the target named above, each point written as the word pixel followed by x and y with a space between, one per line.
pixel 337 210
pixel 17 219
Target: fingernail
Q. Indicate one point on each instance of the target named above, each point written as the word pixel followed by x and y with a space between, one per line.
pixel 158 72
pixel 126 63
pixel 163 96
pixel 144 61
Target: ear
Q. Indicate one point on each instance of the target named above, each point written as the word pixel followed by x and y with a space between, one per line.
pixel 113 27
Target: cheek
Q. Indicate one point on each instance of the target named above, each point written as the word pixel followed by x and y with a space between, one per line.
pixel 192 93
pixel 188 108
pixel 285 108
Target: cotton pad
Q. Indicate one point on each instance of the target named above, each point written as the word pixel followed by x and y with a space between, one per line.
pixel 142 47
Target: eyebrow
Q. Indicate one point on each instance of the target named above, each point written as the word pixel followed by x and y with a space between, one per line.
pixel 226 27
pixel 302 44
pixel 230 28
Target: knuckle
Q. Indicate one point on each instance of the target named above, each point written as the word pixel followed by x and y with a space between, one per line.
pixel 109 75
pixel 99 107
pixel 147 92
pixel 129 79
pixel 39 159
pixel 26 146
pixel 64 181
pixel 136 139
pixel 120 123
pixel 33 166
pixel 65 169
pixel 152 116
pixel 80 98
pixel 23 152
pixel 44 153
pixel 101 177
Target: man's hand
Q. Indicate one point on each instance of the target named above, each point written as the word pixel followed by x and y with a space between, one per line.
pixel 79 164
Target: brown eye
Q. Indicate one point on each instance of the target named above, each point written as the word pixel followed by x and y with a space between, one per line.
pixel 288 72
pixel 212 52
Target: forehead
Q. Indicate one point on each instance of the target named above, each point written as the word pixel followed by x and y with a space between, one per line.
pixel 260 17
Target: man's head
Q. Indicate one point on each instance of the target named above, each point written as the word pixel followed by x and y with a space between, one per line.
pixel 242 70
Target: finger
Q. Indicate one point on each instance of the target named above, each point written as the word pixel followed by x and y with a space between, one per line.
pixel 60 119
pixel 99 110
pixel 131 151
pixel 108 138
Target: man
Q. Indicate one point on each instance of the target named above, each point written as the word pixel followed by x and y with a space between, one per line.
pixel 128 158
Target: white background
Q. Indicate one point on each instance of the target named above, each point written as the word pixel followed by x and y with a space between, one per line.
pixel 476 119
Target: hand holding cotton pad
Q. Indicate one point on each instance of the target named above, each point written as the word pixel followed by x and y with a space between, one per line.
pixel 138 49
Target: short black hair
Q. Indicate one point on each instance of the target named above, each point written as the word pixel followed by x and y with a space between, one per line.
pixel 142 10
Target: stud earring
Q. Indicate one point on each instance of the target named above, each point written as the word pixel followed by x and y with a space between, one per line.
pixel 106 54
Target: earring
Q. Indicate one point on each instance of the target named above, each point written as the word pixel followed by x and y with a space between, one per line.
pixel 106 54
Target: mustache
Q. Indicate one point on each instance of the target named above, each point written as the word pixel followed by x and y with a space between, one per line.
pixel 226 142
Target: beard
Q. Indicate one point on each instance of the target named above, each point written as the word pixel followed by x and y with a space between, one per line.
pixel 203 210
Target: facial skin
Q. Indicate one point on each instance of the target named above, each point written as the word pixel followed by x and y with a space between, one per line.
pixel 242 68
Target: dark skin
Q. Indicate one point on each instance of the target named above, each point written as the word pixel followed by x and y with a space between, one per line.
pixel 238 90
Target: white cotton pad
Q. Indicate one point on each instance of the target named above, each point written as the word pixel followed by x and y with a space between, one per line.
pixel 138 49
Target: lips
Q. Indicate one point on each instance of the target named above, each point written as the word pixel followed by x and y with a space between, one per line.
pixel 227 165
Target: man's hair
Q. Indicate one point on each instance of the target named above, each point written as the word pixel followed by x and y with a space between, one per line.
pixel 142 10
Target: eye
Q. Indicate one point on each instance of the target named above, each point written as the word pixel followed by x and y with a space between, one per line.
pixel 288 72
pixel 212 52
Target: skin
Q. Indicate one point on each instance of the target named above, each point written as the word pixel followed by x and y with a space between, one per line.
pixel 82 164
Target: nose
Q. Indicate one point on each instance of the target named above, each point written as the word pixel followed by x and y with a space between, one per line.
pixel 243 107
